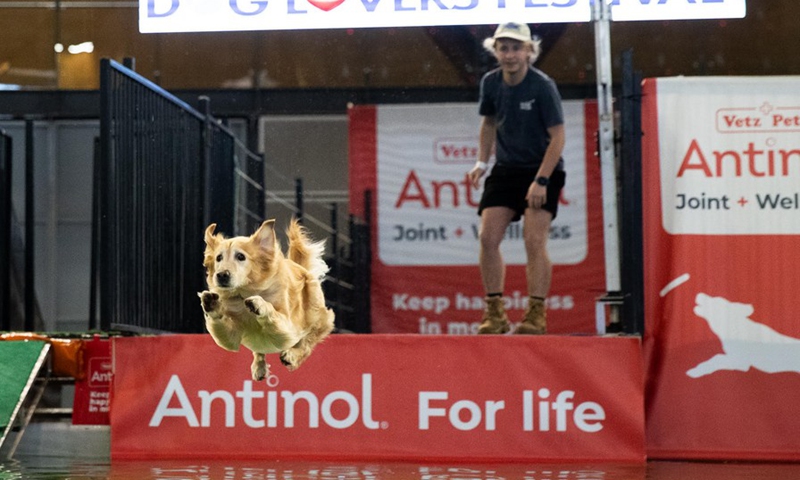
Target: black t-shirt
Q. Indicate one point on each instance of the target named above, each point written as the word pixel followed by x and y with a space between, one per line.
pixel 523 113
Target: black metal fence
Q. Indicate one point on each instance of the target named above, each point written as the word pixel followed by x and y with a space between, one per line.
pixel 164 171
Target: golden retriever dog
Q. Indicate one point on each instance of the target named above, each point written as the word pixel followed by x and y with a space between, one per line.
pixel 265 300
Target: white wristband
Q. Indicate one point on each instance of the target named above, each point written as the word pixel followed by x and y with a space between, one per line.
pixel 482 165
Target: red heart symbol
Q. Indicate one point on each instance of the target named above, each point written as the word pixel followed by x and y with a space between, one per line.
pixel 326 5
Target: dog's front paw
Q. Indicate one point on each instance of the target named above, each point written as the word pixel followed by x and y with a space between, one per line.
pixel 209 300
pixel 259 307
pixel 259 371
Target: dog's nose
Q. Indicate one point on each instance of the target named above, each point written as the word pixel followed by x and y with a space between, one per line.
pixel 223 278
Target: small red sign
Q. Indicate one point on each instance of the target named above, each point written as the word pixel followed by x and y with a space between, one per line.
pixel 91 403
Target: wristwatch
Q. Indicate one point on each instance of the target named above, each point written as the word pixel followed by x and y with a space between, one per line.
pixel 543 181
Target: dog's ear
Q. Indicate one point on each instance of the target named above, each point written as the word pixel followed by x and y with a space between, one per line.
pixel 211 239
pixel 265 235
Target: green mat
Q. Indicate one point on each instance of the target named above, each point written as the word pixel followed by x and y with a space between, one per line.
pixel 17 362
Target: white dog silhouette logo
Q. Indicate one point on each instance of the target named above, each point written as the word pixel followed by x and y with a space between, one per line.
pixel 745 344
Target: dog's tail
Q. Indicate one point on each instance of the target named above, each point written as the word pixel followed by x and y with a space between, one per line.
pixel 305 252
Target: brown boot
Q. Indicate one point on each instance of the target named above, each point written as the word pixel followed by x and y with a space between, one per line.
pixel 535 320
pixel 494 318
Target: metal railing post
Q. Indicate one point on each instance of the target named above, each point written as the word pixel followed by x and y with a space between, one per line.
pixel 363 265
pixel 5 231
pixel 30 218
pixel 205 155
pixel 94 277
pixel 335 271
pixel 631 198
pixel 298 198
pixel 107 292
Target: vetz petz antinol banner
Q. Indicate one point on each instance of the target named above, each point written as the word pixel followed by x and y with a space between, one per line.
pixel 425 276
pixel 721 167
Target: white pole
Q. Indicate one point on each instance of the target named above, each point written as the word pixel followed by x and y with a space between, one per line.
pixel 601 15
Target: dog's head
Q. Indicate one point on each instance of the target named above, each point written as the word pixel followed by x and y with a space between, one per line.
pixel 240 262
pixel 719 309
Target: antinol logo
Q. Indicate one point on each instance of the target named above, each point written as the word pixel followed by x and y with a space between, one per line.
pixel 542 411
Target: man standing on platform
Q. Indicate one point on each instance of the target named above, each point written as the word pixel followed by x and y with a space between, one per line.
pixel 523 125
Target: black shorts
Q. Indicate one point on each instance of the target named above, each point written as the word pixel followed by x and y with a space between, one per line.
pixel 507 187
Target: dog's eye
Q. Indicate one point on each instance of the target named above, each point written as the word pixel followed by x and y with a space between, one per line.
pixel 219 257
pixel 240 256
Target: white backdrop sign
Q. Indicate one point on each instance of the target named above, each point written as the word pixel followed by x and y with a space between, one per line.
pixel 161 16
pixel 427 208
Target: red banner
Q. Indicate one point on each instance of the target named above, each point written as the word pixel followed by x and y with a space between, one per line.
pixel 425 276
pixel 400 397
pixel 91 400
pixel 721 224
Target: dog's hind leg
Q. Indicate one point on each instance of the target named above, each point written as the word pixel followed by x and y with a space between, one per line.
pixel 295 356
pixel 223 334
pixel 718 362
pixel 276 325
pixel 259 367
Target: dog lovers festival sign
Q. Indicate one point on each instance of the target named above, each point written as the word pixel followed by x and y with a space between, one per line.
pixel 162 16
pixel 398 397
pixel 721 168
pixel 425 276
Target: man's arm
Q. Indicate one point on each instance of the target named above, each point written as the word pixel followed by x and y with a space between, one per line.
pixel 537 194
pixel 487 135
pixel 553 152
